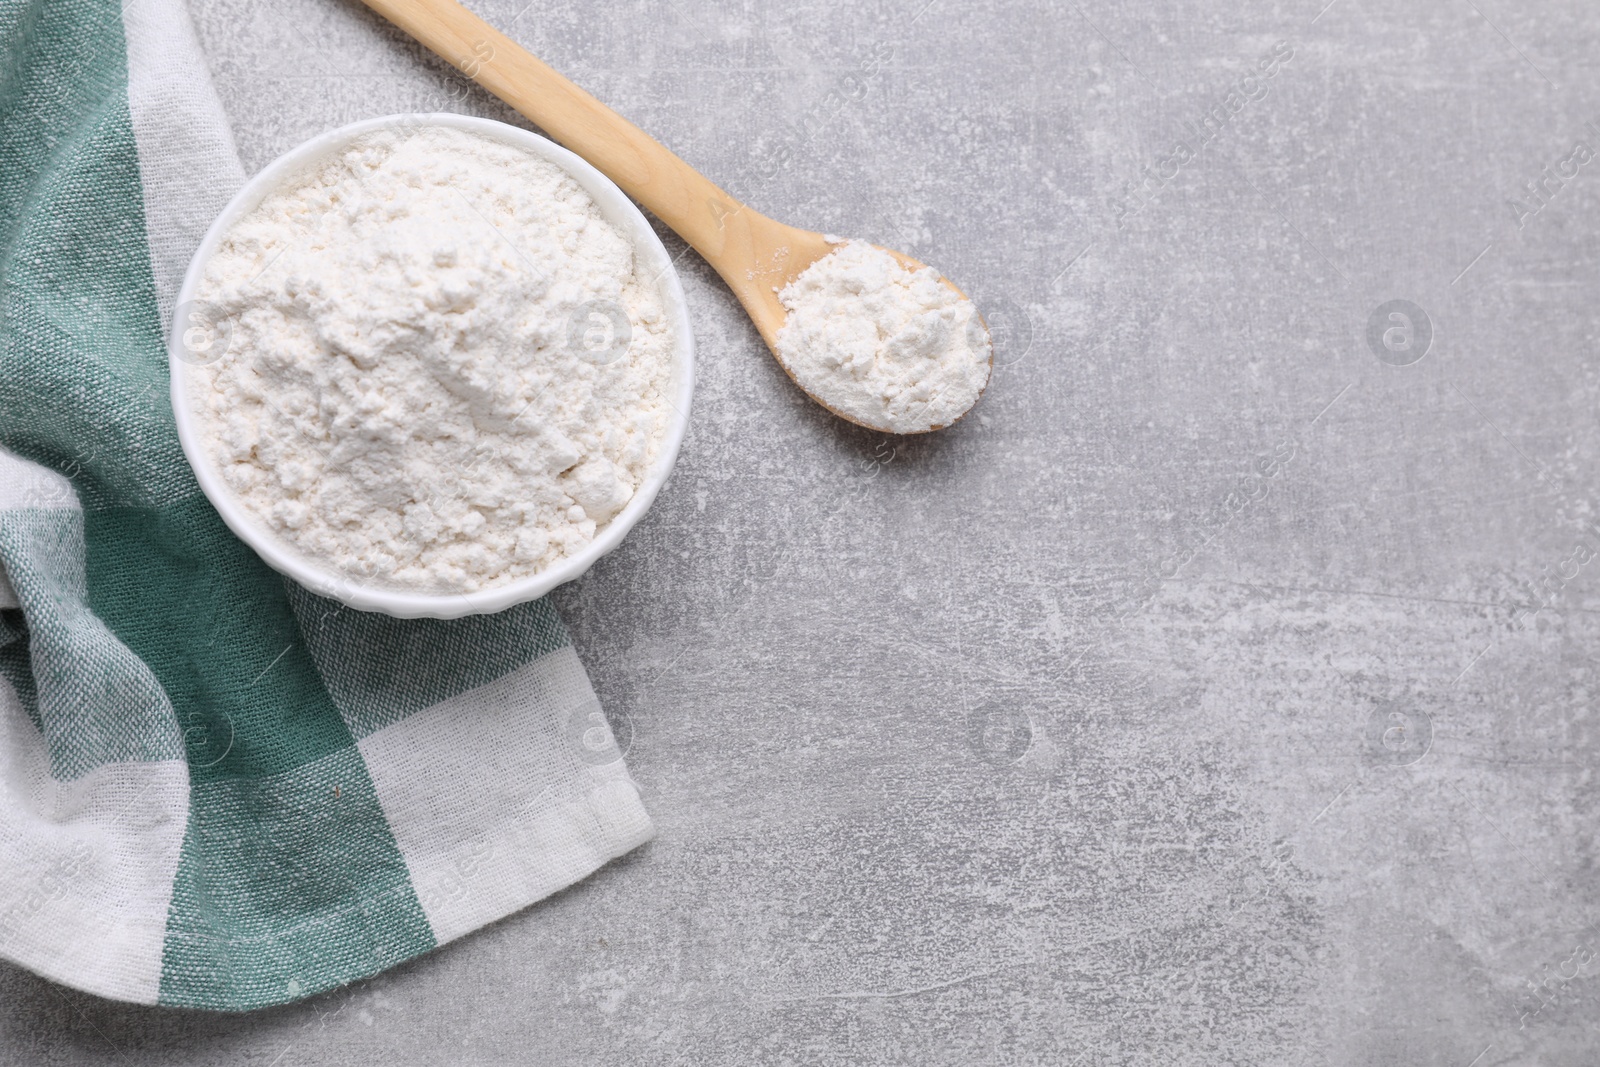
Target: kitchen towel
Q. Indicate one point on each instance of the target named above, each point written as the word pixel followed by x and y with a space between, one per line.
pixel 218 789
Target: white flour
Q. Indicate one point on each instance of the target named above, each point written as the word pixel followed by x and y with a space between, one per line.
pixel 421 388
pixel 890 348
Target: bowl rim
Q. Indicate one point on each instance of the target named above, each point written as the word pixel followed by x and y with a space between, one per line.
pixel 650 255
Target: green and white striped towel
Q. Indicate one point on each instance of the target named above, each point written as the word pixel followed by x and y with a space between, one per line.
pixel 216 789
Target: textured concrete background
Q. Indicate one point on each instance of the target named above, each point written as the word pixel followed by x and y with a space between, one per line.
pixel 1220 693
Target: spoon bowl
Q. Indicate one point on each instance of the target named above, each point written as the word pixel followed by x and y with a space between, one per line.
pixel 761 256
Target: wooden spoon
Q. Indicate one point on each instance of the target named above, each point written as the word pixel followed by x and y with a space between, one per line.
pixel 755 255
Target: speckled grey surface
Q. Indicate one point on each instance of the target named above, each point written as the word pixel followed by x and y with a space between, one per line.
pixel 1221 693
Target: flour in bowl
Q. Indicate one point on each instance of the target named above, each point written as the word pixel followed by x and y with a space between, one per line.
pixel 445 371
pixel 894 349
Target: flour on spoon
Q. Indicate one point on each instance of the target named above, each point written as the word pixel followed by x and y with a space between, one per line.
pixel 894 349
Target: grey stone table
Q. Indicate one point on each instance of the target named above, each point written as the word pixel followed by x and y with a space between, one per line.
pixel 1223 692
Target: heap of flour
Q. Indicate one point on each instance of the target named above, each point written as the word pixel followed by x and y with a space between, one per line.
pixel 894 349
pixel 444 371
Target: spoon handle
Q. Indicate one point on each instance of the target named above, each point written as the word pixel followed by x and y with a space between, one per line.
pixel 673 191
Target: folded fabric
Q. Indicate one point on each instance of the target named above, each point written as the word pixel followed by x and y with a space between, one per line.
pixel 217 789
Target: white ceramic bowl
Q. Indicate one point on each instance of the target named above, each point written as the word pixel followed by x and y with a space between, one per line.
pixel 652 260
